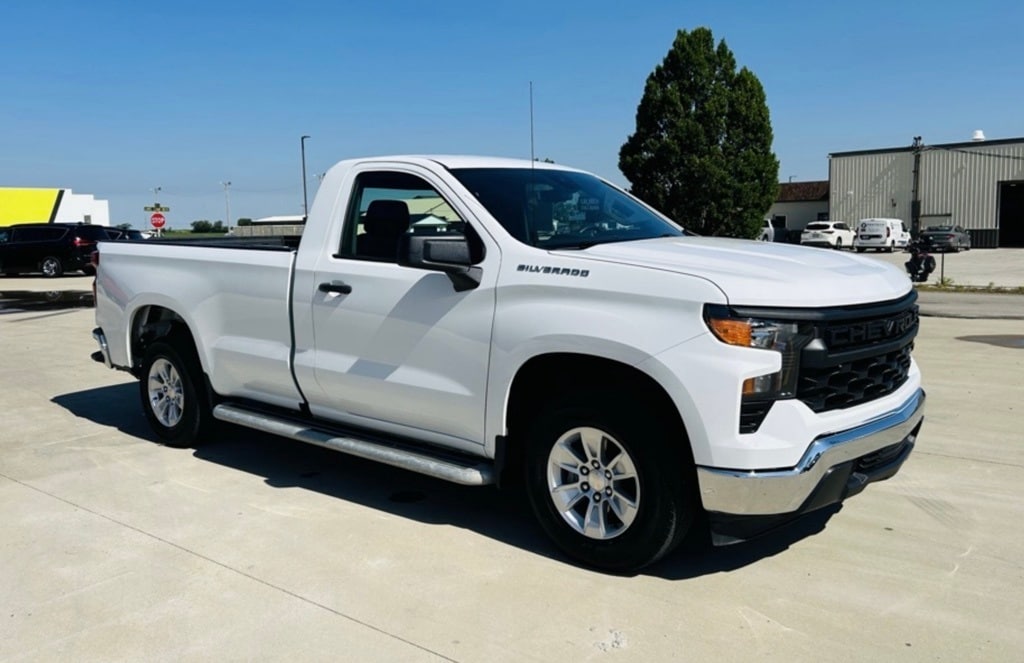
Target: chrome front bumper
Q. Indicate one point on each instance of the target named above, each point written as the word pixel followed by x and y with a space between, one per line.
pixel 774 492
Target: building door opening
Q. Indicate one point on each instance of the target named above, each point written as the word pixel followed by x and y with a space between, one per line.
pixel 1011 214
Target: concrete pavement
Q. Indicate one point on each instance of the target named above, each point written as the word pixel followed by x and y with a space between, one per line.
pixel 999 268
pixel 115 548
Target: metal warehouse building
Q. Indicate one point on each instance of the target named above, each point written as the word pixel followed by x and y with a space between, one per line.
pixel 978 185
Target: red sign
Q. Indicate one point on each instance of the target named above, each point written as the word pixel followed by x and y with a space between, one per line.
pixel 157 220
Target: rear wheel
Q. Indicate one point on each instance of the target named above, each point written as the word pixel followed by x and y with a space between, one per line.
pixel 609 484
pixel 839 243
pixel 51 267
pixel 173 393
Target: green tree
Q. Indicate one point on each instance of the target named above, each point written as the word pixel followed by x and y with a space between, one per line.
pixel 245 221
pixel 702 149
pixel 201 226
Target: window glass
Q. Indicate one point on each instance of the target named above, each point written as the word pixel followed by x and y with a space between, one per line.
pixel 30 234
pixel 384 206
pixel 553 209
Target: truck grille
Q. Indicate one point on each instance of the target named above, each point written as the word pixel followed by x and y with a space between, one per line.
pixel 855 382
pixel 858 356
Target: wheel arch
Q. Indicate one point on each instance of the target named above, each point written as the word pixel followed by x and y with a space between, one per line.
pixel 549 376
pixel 151 323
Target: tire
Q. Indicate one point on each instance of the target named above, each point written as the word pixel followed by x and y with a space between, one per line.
pixel 173 393
pixel 618 525
pixel 89 270
pixel 839 244
pixel 891 247
pixel 51 267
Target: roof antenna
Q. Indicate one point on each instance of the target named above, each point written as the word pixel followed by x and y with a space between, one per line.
pixel 531 123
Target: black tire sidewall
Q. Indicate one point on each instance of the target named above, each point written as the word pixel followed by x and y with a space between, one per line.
pixel 187 430
pixel 665 513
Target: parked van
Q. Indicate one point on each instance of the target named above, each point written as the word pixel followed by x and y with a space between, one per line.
pixel 881 234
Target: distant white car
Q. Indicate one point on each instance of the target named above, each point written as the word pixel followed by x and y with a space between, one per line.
pixel 832 234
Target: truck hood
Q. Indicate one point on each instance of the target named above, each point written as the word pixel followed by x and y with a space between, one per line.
pixel 754 273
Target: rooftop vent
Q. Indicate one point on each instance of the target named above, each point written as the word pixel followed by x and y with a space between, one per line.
pixel 978 136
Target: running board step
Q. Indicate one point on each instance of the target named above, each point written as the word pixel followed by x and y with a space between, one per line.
pixel 467 472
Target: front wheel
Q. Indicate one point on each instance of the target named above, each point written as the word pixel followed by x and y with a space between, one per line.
pixel 173 394
pixel 610 484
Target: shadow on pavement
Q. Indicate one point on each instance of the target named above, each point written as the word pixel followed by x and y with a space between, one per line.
pixel 700 558
pixel 116 406
pixel 503 515
pixel 19 301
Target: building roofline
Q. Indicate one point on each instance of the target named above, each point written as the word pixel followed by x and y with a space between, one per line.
pixel 939 146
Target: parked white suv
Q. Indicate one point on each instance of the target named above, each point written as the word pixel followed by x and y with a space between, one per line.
pixel 834 234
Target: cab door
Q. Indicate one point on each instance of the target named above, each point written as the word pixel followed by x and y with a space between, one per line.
pixel 396 349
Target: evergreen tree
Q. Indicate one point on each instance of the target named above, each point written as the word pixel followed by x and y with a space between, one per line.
pixel 702 149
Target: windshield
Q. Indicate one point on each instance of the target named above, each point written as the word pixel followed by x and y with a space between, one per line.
pixel 818 226
pixel 553 209
pixel 944 229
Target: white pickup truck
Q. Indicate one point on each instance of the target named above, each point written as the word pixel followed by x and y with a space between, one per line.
pixel 489 321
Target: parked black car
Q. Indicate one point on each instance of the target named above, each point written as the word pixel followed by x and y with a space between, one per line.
pixel 50 248
pixel 120 233
pixel 946 238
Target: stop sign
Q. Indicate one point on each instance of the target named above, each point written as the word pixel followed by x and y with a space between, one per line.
pixel 157 220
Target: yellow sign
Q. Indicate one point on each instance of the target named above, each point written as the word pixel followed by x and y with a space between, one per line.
pixel 28 205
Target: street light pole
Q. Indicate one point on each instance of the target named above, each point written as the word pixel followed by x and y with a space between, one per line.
pixel 305 201
pixel 227 204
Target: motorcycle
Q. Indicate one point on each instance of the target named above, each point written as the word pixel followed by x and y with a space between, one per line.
pixel 921 263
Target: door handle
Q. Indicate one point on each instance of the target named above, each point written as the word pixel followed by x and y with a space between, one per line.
pixel 337 286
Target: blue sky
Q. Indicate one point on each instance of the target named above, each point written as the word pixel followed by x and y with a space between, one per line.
pixel 116 98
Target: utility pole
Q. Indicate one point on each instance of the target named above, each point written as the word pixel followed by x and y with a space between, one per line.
pixel 227 205
pixel 915 201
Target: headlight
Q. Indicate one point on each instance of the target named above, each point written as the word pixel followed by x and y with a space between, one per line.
pixel 776 335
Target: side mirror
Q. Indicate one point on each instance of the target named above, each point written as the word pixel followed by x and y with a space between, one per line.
pixel 448 254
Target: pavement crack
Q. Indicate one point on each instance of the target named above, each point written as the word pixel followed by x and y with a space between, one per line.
pixel 230 568
pixel 985 461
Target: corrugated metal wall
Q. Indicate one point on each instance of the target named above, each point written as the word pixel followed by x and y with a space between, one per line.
pixel 959 184
pixel 871 185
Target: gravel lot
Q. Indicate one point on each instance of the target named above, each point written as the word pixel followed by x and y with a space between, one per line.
pixel 115 548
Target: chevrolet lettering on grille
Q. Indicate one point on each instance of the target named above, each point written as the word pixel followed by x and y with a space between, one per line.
pixel 858 333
